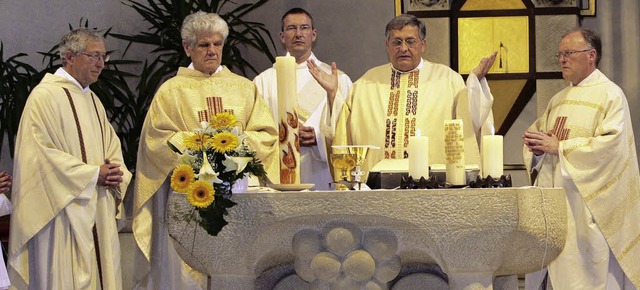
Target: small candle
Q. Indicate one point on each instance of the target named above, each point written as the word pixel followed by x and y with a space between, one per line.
pixel 287 121
pixel 492 156
pixel 419 156
pixel 454 151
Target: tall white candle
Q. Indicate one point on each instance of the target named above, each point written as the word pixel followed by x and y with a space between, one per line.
pixel 287 122
pixel 419 156
pixel 454 151
pixel 492 156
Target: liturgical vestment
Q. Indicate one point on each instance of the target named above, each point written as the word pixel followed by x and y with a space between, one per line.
pixel 175 110
pixel 55 194
pixel 598 167
pixel 386 107
pixel 313 110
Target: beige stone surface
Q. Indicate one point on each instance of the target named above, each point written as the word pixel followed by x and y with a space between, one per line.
pixel 489 231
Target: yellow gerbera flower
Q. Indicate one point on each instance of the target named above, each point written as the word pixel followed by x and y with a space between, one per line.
pixel 224 142
pixel 224 119
pixel 182 177
pixel 200 194
pixel 197 142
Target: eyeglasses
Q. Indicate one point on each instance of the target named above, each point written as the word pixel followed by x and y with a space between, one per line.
pixel 93 57
pixel 568 53
pixel 292 28
pixel 410 42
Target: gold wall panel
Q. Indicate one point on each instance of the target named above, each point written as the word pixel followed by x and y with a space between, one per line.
pixel 492 5
pixel 480 36
pixel 505 94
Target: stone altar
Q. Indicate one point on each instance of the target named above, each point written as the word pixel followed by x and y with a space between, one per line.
pixel 377 239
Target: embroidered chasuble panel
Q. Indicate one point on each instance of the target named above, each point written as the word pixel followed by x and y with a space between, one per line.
pixel 214 106
pixel 401 113
pixel 567 119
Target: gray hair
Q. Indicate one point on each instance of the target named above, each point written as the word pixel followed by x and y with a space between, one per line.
pixel 403 20
pixel 75 41
pixel 591 38
pixel 200 22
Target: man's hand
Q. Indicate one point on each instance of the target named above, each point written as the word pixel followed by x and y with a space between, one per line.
pixel 541 142
pixel 5 182
pixel 329 82
pixel 485 64
pixel 110 174
pixel 307 136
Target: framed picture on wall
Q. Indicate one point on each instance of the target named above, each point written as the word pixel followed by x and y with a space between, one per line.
pixel 588 8
pixel 404 6
pixel 556 3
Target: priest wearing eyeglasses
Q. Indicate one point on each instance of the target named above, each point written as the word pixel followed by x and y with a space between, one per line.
pixel 68 179
pixel 584 143
pixel 389 103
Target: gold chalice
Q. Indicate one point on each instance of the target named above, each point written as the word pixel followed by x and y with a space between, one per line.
pixel 343 162
pixel 359 152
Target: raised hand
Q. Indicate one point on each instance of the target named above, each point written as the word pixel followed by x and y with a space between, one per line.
pixel 329 82
pixel 485 64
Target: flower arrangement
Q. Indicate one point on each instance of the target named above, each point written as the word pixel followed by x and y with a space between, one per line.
pixel 213 159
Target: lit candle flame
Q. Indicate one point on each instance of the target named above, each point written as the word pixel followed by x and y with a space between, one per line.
pixel 493 130
pixel 418 132
pixel 288 54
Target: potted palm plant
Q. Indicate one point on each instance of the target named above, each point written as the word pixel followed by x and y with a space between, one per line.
pixel 127 106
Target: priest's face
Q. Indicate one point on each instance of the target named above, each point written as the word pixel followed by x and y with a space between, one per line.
pixel 86 66
pixel 298 36
pixel 577 58
pixel 405 47
pixel 206 53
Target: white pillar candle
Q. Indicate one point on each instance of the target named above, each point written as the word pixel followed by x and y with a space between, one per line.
pixel 492 156
pixel 288 123
pixel 419 156
pixel 454 151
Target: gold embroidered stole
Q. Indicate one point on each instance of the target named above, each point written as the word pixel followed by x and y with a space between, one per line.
pixel 309 97
pixel 401 113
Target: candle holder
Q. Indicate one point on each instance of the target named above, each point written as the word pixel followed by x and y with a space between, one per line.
pixel 490 182
pixel 407 182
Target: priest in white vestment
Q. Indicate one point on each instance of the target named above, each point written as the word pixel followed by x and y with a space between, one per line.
pixel 391 102
pixel 584 143
pixel 321 89
pixel 177 109
pixel 68 179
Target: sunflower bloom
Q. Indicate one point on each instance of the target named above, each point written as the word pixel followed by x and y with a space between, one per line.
pixel 182 177
pixel 200 194
pixel 224 142
pixel 224 119
pixel 197 142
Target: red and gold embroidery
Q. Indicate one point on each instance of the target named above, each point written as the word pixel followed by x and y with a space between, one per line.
pixel 559 129
pixel 401 112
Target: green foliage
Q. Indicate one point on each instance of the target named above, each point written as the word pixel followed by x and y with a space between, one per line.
pixel 15 85
pixel 127 107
